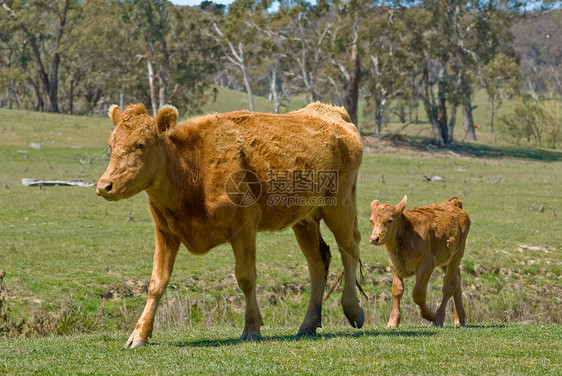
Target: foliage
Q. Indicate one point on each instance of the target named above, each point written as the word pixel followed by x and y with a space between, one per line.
pixel 537 122
pixel 81 56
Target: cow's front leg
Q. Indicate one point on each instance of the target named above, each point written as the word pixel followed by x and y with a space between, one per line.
pixel 244 247
pixel 397 291
pixel 167 246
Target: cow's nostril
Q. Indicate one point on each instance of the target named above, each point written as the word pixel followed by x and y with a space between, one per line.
pixel 109 187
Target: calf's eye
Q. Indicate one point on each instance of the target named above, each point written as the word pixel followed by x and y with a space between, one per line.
pixel 140 146
pixel 390 221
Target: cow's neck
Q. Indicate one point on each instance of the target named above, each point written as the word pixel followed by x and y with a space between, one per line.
pixel 178 185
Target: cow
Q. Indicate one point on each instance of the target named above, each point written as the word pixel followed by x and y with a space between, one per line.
pixel 221 178
pixel 417 241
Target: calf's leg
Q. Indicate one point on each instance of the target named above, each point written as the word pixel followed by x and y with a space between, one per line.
pixel 451 282
pixel 420 289
pixel 460 315
pixel 167 246
pixel 397 292
pixel 317 254
pixel 244 247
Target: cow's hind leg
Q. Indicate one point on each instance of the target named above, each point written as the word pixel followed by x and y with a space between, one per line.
pixel 244 247
pixel 167 247
pixel 342 221
pixel 318 257
pixel 420 289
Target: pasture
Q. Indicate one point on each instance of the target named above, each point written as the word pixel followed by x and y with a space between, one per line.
pixel 77 269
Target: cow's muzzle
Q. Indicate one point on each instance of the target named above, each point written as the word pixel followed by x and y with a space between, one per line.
pixel 104 188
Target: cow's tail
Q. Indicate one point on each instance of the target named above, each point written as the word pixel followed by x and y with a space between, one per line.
pixel 339 278
pixel 325 254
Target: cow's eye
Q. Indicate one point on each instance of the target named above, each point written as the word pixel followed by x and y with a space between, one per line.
pixel 140 146
pixel 390 220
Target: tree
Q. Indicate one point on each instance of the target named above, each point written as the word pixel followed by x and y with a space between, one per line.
pixel 537 122
pixel 386 65
pixel 501 78
pixel 43 24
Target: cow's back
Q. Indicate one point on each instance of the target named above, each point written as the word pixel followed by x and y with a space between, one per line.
pixel 316 138
pixel 443 226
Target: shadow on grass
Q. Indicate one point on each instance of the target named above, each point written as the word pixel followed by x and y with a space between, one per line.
pixel 477 149
pixel 294 338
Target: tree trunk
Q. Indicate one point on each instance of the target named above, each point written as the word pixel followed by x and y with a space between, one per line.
pixel 10 94
pixel 379 115
pixel 247 86
pixel 71 97
pixel 152 88
pixel 430 107
pixel 352 98
pixel 163 98
pixel 492 114
pixel 451 128
pixel 273 91
pixel 468 121
pixel 442 106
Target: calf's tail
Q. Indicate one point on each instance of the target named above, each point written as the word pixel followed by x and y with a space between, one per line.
pixel 455 201
pixel 339 278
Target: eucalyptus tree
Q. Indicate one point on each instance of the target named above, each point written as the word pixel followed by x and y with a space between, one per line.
pixel 42 25
pixel 387 65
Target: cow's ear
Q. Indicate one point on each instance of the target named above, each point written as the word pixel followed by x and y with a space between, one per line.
pixel 374 204
pixel 402 204
pixel 166 118
pixel 115 114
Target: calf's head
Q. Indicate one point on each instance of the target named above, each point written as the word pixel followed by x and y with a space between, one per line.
pixel 136 150
pixel 385 220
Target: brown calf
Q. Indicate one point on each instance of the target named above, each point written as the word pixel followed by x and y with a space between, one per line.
pixel 222 178
pixel 416 242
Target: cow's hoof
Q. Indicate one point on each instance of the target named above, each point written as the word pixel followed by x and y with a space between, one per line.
pixel 357 322
pixel 130 344
pixel 250 337
pixel 305 331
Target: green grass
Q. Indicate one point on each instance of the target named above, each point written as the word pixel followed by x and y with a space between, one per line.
pixel 412 350
pixel 76 264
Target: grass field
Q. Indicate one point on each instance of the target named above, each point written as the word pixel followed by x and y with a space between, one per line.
pixel 76 264
pixel 411 350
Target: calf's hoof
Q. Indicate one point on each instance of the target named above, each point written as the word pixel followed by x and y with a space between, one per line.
pixel 358 321
pixel 133 344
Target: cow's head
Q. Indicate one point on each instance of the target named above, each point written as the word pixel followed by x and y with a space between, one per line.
pixel 136 150
pixel 385 220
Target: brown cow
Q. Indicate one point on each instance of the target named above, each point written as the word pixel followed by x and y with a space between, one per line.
pixel 416 242
pixel 223 178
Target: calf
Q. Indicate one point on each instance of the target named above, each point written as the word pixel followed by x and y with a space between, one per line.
pixel 417 241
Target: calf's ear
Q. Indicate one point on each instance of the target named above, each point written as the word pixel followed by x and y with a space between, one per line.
pixel 115 114
pixel 402 204
pixel 374 204
pixel 166 118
